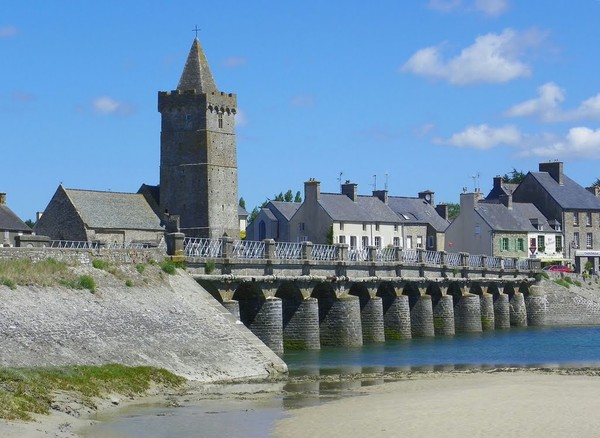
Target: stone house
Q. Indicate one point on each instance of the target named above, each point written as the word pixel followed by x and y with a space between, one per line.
pixel 504 228
pixel 10 224
pixel 568 207
pixel 359 221
pixel 273 221
pixel 423 223
pixel 107 217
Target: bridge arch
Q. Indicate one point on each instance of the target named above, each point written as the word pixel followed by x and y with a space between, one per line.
pixel 476 289
pixel 455 291
pixel 435 292
pixel 411 290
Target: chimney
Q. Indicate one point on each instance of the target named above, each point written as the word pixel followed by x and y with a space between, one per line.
pixel 382 195
pixel 555 169
pixel 506 200
pixel 38 215
pixel 594 190
pixel 350 190
pixel 442 210
pixel 312 190
pixel 497 182
pixel 468 201
pixel 427 196
pixel 2 198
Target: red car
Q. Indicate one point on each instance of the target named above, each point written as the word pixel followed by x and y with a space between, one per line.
pixel 557 268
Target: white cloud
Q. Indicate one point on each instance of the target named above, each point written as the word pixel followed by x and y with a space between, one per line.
pixel 484 137
pixel 546 106
pixel 303 101
pixel 580 142
pixel 108 105
pixel 492 58
pixel 8 31
pixel 444 5
pixel 234 61
pixel 491 8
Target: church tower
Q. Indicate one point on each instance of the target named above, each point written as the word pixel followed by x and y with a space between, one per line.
pixel 198 160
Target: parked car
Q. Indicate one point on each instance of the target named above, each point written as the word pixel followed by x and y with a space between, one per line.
pixel 557 268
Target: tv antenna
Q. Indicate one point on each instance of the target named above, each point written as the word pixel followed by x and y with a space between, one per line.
pixel 386 182
pixel 475 182
pixel 374 182
pixel 340 179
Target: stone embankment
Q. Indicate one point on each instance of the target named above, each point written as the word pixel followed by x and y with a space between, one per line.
pixel 167 321
pixel 575 305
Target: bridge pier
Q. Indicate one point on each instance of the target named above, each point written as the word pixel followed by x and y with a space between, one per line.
pixel 501 311
pixel 267 324
pixel 467 314
pixel 301 324
pixel 396 319
pixel 518 311
pixel 421 317
pixel 443 316
pixel 371 316
pixel 339 319
pixel 535 303
pixel 234 308
pixel 486 302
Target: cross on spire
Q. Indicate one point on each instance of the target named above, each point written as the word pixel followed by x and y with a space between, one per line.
pixel 195 29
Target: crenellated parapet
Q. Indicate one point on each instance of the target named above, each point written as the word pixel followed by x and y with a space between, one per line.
pixel 183 99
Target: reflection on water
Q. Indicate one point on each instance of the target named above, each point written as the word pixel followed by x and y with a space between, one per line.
pixel 317 377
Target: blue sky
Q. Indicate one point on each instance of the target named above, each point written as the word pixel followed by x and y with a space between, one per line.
pixel 422 94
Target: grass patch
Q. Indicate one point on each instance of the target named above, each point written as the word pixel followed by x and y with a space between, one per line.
pixel 8 283
pixel 140 268
pixel 99 264
pixel 87 282
pixel 209 266
pixel 170 267
pixel 24 272
pixel 128 283
pixel 563 282
pixel 27 391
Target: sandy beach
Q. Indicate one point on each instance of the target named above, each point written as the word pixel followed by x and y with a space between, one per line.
pixel 508 402
pixel 520 403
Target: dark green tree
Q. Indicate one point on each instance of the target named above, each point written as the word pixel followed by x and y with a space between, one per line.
pixel 242 203
pixel 596 183
pixel 288 197
pixel 513 177
pixel 453 211
pixel 30 223
pixel 298 197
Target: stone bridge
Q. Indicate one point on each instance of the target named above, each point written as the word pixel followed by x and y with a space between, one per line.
pixel 303 296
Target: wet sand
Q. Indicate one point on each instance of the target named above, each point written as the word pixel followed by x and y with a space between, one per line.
pixel 508 402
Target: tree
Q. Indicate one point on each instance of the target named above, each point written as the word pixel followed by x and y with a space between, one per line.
pixel 30 223
pixel 242 203
pixel 453 211
pixel 288 197
pixel 298 198
pixel 513 177
pixel 253 214
pixel 596 183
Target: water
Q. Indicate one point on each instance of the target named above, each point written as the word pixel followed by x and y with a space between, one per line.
pixel 243 415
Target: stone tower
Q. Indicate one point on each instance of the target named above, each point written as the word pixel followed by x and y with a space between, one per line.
pixel 198 160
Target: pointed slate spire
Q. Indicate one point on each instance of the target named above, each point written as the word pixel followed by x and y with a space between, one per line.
pixel 196 73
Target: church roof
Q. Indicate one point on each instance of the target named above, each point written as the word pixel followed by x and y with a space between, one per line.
pixel 113 210
pixel 196 73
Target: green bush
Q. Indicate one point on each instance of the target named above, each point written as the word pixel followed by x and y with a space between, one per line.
pixel 99 264
pixel 140 268
pixel 8 283
pixel 128 283
pixel 209 266
pixel 87 282
pixel 169 266
pixel 562 282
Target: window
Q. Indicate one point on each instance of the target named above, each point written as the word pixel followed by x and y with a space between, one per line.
pixel 541 243
pixel 220 120
pixel 396 227
pixel 378 241
pixel 588 218
pixel 559 244
pixel 429 241
pixel 352 241
pixel 504 244
pixel 342 239
pixel 575 219
pixel 575 240
pixel 376 227
pixel 364 227
pixel 408 242
pixel 419 241
pixel 262 230
pixel 588 240
pixel 341 226
pixel 396 241
pixel 301 226
pixel 477 230
pixel 365 241
pixel 520 244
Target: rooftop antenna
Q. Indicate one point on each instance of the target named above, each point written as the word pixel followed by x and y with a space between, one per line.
pixel 374 182
pixel 386 182
pixel 475 182
pixel 340 179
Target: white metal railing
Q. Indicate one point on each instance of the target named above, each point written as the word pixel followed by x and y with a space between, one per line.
pixel 453 259
pixel 288 250
pixel 248 249
pixel 475 261
pixel 72 244
pixel 324 252
pixel 387 254
pixel 358 254
pixel 410 255
pixel 201 247
pixel 433 257
pixel 493 262
pixel 523 264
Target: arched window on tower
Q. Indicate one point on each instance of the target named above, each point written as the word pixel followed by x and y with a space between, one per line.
pixel 220 120
pixel 262 230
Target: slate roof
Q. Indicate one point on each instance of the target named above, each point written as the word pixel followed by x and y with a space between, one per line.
pixel 367 209
pixel 570 196
pixel 10 221
pixel 286 209
pixel 242 211
pixel 196 73
pixel 114 210
pixel 417 210
pixel 504 189
pixel 501 218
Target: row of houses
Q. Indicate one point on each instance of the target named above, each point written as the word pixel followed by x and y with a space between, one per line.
pixel 547 216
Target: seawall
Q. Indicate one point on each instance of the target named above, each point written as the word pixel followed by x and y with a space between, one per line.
pixel 169 322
